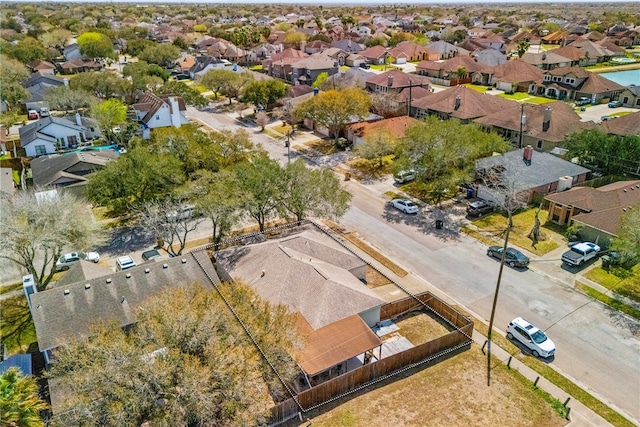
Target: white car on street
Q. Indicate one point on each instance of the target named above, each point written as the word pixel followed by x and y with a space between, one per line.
pixel 66 260
pixel 406 206
pixel 533 338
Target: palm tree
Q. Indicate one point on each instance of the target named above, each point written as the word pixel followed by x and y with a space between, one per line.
pixel 20 404
pixel 522 47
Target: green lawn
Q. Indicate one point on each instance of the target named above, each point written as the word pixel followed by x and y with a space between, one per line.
pixel 523 222
pixel 17 331
pixel 525 97
pixel 478 88
pixel 623 282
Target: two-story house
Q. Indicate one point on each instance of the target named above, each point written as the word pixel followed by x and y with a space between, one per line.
pixel 574 83
pixel 306 70
pixel 48 134
pixel 153 111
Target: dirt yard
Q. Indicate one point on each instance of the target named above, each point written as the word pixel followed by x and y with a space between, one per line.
pixel 451 393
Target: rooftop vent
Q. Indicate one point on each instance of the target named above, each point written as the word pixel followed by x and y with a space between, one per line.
pixel 165 265
pixel 87 286
pixel 146 270
pixel 122 300
pixel 457 103
pixel 67 291
pixel 109 280
pixel 184 261
pixel 128 275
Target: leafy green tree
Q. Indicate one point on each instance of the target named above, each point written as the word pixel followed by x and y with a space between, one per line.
pixel 377 145
pixel 190 95
pixel 334 109
pixel 229 83
pixel 26 50
pixel 313 192
pixel 232 147
pixel 7 119
pixel 180 43
pixel 139 176
pixel 187 361
pixel 109 114
pixel 190 145
pixel 20 404
pixel 56 38
pixel 160 54
pixel 522 47
pixel 294 38
pixel 265 92
pixel 34 231
pixel 12 75
pixel 142 68
pixel 398 37
pixel 261 187
pixel 103 84
pixel 611 154
pixel 135 46
pixel 63 98
pixel 95 45
pixel 322 77
pixel 627 240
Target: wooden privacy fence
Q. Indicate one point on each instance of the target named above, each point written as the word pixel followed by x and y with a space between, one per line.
pixel 428 353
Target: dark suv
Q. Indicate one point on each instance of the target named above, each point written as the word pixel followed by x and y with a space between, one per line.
pixel 480 207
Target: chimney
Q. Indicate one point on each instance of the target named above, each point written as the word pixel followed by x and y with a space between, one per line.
pixel 66 82
pixel 527 154
pixel 175 112
pixel 390 81
pixel 546 120
pixel 78 119
pixel 457 103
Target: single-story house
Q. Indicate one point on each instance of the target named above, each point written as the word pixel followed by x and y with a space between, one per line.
pixel 37 85
pixel 525 172
pixel 204 63
pixel 630 96
pixel 70 169
pixel 48 134
pixel 396 126
pixel 628 125
pixel 597 210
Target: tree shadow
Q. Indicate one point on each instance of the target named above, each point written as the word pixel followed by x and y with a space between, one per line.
pixel 126 239
pixel 17 331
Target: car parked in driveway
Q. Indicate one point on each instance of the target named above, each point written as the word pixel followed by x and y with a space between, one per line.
pixel 32 115
pixel 513 257
pixel 67 260
pixel 480 207
pixel 405 176
pixel 406 206
pixel 531 337
pixel 615 104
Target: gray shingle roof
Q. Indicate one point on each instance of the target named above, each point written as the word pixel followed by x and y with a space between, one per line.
pixel 47 169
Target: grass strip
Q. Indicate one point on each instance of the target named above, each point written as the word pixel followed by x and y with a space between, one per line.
pixel 554 377
pixel 610 301
pixel 10 288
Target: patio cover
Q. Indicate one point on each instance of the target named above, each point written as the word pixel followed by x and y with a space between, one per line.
pixel 334 343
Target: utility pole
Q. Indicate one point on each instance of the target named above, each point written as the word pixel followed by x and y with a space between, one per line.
pixel 523 118
pixel 288 145
pixel 409 103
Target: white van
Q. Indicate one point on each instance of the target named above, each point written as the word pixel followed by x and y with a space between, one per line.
pixel 125 263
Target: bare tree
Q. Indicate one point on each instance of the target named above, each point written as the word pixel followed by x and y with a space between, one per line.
pixel 262 119
pixel 36 227
pixel 171 220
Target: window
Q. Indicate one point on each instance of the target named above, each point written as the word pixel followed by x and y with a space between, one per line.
pixel 547 78
pixel 570 81
pixel 638 102
pixel 73 140
pixel 556 79
pixel 539 144
pixel 40 150
pixel 157 117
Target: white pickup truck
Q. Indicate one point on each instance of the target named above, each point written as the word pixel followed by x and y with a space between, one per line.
pixel 580 253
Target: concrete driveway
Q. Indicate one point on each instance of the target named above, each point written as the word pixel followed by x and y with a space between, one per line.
pixel 595 113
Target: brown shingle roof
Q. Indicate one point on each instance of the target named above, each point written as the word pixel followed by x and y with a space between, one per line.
pixel 451 65
pixel 518 71
pixel 399 79
pixel 623 125
pixel 598 84
pixel 397 126
pixel 472 104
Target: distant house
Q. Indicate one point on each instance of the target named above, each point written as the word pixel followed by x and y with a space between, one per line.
pixel 450 72
pixel 459 102
pixel 628 125
pixel 71 51
pixel 154 111
pixel 395 81
pixel 204 63
pixel 545 126
pixel 408 51
pixel 307 70
pixel 79 65
pixel 70 169
pixel 540 173
pixel 574 83
pixel 375 54
pixel 348 45
pixel 630 96
pixel 444 50
pixel 48 134
pixel 37 85
pixel 396 126
pixel 546 60
pixel 44 67
pixel 597 210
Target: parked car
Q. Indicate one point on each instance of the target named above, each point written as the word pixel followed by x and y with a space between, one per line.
pixel 513 257
pixel 67 260
pixel 406 206
pixel 532 338
pixel 615 104
pixel 125 262
pixel 183 212
pixel 32 115
pixel 405 176
pixel 480 207
pixel 365 65
pixel 44 112
pixel 150 254
pixel 583 101
pixel 580 253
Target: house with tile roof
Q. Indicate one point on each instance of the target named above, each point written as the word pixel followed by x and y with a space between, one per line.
pixel 375 54
pixel 153 111
pixel 395 81
pixel 69 169
pixel 48 134
pixel 396 126
pixel 448 73
pixel 595 52
pixel 537 173
pixel 459 102
pixel 408 51
pixel 596 210
pixel 279 65
pixel 544 126
pixel 573 83
pixel 512 76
